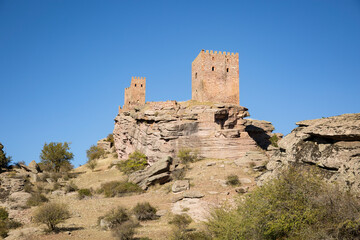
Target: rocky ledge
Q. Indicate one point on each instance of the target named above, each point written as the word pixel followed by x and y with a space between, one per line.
pixel 332 144
pixel 160 129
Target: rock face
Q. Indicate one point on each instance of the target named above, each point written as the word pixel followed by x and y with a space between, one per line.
pixel 332 144
pixel 159 172
pixel 160 129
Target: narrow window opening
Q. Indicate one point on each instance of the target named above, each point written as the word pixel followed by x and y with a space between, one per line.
pixel 141 85
pixel 129 102
pixel 213 68
pixel 213 58
pixel 227 69
pixel 135 84
pixel 195 75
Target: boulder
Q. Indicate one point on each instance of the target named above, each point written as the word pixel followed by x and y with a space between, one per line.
pixel 34 167
pixel 156 173
pixel 180 185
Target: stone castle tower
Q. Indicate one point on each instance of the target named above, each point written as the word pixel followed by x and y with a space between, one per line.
pixel 135 94
pixel 215 77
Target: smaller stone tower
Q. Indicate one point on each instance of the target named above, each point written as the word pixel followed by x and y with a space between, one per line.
pixel 215 77
pixel 135 94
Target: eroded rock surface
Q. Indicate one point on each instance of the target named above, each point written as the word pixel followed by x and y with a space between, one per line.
pixel 160 129
pixel 332 144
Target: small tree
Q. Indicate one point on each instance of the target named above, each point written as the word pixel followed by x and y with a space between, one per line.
pixel 94 152
pixel 137 161
pixel 4 160
pixel 56 155
pixel 51 214
pixel 187 155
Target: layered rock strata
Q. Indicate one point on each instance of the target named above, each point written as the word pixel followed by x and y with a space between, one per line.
pixel 160 129
pixel 332 144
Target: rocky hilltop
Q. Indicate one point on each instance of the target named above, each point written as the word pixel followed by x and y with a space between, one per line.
pixel 217 131
pixel 332 144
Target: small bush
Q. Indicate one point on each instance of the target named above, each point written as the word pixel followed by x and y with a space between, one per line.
pixel 137 161
pixel 3 214
pixel 84 192
pixel 4 160
pixel 116 216
pixel 187 156
pixel 119 188
pixel 274 140
pixel 180 221
pixel 71 187
pixel 91 164
pixel 233 180
pixel 28 187
pixel 144 211
pixel 110 139
pixel 94 152
pixel 36 199
pixel 124 231
pixel 51 214
pixel 296 205
pixel 189 235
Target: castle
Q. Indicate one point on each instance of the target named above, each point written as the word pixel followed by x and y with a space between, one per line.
pixel 214 75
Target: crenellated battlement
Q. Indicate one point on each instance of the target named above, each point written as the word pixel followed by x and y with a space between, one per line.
pixel 219 52
pixel 215 77
pixel 135 94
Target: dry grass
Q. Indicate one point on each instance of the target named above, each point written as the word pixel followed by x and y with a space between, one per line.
pixel 85 213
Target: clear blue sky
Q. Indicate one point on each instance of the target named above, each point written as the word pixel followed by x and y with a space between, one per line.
pixel 64 64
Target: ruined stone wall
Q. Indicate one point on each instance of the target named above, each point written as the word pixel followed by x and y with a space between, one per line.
pixel 135 94
pixel 215 77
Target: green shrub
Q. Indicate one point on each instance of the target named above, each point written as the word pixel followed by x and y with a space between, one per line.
pixel 110 138
pixel 144 211
pixel 189 235
pixel 84 192
pixel 94 152
pixel 233 180
pixel 92 164
pixel 187 155
pixel 116 216
pixel 3 214
pixel 137 161
pixel 71 187
pixel 119 188
pixel 274 140
pixel 36 199
pixel 4 160
pixel 28 187
pixel 51 214
pixel 296 205
pixel 180 221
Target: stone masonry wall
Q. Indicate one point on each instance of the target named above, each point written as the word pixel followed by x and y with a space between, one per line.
pixel 215 77
pixel 135 94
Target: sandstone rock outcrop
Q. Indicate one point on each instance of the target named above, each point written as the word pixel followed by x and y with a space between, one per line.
pixel 332 144
pixel 160 129
pixel 159 172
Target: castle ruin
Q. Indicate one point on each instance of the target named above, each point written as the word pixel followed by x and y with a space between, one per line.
pixel 135 94
pixel 215 77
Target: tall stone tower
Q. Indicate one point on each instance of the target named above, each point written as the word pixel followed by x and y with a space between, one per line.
pixel 135 94
pixel 215 77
